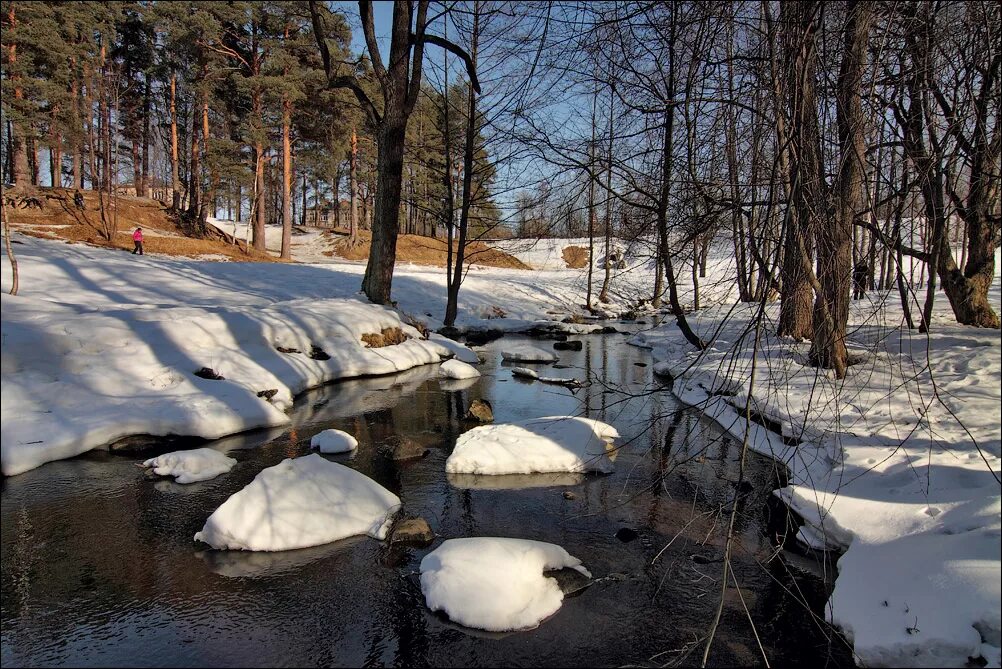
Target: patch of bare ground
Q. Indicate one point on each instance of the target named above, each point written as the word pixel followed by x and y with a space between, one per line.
pixel 576 257
pixel 423 251
pixel 60 218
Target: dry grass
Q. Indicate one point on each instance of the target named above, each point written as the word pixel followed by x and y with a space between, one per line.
pixel 60 219
pixel 576 257
pixel 388 337
pixel 428 251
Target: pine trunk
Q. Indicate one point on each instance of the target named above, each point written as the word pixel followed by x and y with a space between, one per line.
pixel 175 178
pixel 286 252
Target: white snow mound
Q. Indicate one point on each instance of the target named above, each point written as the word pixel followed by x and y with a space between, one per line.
pixel 300 502
pixel 456 369
pixel 550 444
pixel 527 353
pixel 334 441
pixel 495 584
pixel 200 464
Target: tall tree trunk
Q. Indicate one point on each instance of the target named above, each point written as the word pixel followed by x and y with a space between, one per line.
pixel 19 148
pixel 603 295
pixel 795 316
pixel 195 171
pixel 353 191
pixel 591 202
pixel 834 238
pixel 208 205
pixel 452 302
pixel 286 252
pixel 144 171
pixel 175 178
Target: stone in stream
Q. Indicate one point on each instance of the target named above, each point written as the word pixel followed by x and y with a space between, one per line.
pixel 404 448
pixel 575 345
pixel 569 495
pixel 480 411
pixel 414 531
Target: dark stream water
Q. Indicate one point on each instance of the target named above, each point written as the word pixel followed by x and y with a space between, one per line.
pixel 99 566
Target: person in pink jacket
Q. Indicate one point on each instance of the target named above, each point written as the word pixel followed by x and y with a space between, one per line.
pixel 137 237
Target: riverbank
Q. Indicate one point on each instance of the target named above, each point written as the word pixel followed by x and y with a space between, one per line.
pixel 897 465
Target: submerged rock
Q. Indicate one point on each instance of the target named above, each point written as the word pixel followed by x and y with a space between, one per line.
pixel 405 448
pixel 574 345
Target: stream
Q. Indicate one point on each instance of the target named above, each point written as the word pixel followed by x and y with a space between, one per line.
pixel 99 567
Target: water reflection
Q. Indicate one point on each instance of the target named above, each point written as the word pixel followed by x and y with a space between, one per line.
pixel 99 566
pixel 513 481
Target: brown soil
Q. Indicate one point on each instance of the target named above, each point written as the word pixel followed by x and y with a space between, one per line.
pixel 576 257
pixel 427 251
pixel 388 337
pixel 60 219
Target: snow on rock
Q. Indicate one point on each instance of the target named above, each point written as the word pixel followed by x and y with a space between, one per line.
pixel 495 584
pixel 200 464
pixel 300 502
pixel 527 353
pixel 334 441
pixel 456 369
pixel 550 444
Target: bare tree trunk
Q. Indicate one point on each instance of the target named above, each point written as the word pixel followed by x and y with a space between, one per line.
pixel 591 202
pixel 795 316
pixel 603 295
pixel 6 238
pixel 831 307
pixel 452 302
pixel 174 152
pixel 353 191
pixel 145 164
pixel 286 252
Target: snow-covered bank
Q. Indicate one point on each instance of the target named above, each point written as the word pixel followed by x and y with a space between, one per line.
pixel 898 465
pixel 101 345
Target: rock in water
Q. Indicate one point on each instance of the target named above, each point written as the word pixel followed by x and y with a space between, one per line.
pixel 480 411
pixel 412 531
pixel 573 345
pixel 404 448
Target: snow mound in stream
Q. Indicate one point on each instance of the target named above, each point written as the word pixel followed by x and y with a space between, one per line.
pixel 200 464
pixel 334 441
pixel 550 444
pixel 300 502
pixel 495 584
pixel 456 369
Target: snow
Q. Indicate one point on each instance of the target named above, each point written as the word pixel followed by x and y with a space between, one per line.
pixel 456 369
pixel 527 353
pixel 100 344
pixel 333 441
pixel 550 444
pixel 200 464
pixel 898 464
pixel 495 584
pixel 298 503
